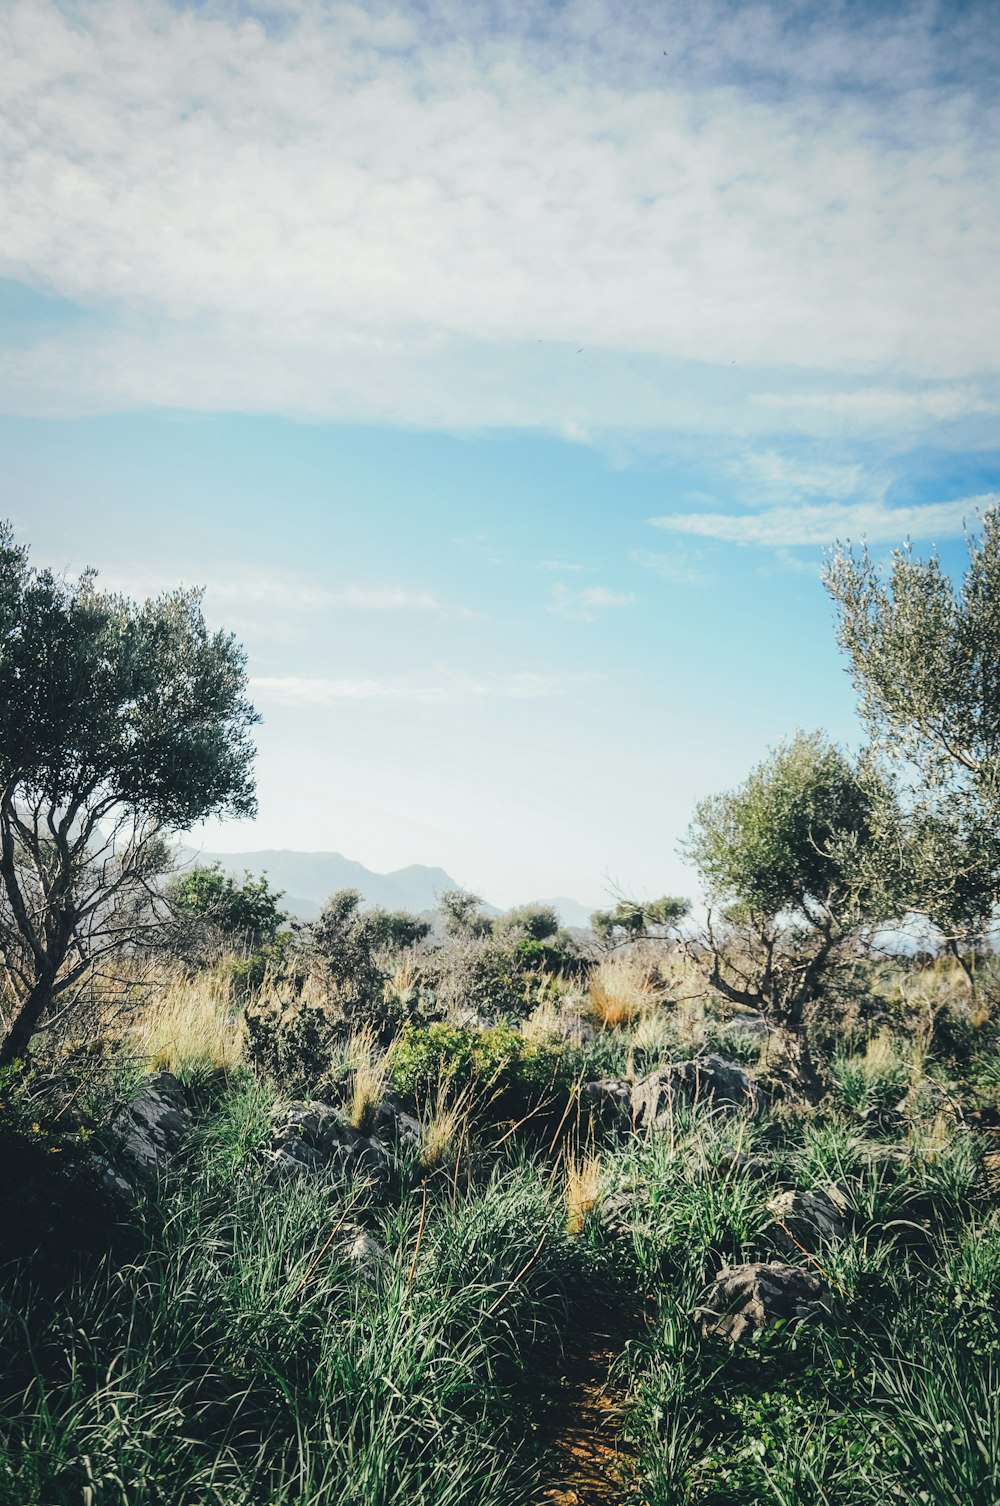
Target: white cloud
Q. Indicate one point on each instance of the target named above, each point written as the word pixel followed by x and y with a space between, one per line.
pixel 400 213
pixel 873 405
pixel 293 690
pixel 679 567
pixel 582 605
pixel 394 599
pixel 777 476
pixel 558 567
pixel 783 527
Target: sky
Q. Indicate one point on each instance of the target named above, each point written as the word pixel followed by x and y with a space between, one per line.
pixel 502 372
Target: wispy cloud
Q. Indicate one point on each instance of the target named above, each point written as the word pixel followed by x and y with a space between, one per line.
pixel 523 215
pixel 873 405
pixel 582 606
pixel 784 527
pixel 773 476
pixel 294 690
pixel 395 599
pixel 245 586
pixel 679 567
pixel 558 567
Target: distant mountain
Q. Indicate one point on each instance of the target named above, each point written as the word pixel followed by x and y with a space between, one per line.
pixel 309 878
pixel 570 911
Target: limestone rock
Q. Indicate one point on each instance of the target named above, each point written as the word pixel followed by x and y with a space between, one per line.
pixel 808 1219
pixel 743 1298
pixel 152 1129
pixel 312 1137
pixel 740 1163
pixel 397 1127
pixel 708 1077
pixel 608 1100
pixel 367 1257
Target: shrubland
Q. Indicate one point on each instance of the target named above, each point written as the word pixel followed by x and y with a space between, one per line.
pixel 302 1215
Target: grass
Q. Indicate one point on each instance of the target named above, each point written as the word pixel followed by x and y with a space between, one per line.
pixel 187 1023
pixel 234 1355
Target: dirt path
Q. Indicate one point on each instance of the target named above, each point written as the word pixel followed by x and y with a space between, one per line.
pixel 591 1461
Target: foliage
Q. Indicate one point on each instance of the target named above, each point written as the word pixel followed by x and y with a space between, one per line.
pixel 350 947
pixel 463 915
pixel 118 722
pixel 924 659
pixel 633 920
pixel 246 914
pixel 789 856
pixel 484 977
pixel 498 1061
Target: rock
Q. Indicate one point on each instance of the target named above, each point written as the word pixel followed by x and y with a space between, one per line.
pixel 312 1137
pixel 118 1188
pixel 152 1129
pixel 654 1099
pixel 743 1298
pixel 394 1125
pixel 369 1258
pixel 738 1162
pixel 625 1211
pixel 808 1219
pixel 753 1025
pixel 608 1100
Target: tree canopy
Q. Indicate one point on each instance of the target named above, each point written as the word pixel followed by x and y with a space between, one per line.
pixel 245 913
pixel 119 722
pixel 925 659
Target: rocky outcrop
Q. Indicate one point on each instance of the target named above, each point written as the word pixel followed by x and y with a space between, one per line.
pixel 805 1220
pixel 743 1298
pixel 392 1124
pixel 706 1078
pixel 647 1105
pixel 740 1163
pixel 314 1137
pixel 608 1100
pixel 152 1129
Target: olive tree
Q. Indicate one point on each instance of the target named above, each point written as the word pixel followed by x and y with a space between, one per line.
pixel 242 914
pixel 925 660
pixel 633 920
pixel 121 723
pixel 787 863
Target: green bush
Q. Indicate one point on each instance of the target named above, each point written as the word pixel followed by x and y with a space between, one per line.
pixel 497 1063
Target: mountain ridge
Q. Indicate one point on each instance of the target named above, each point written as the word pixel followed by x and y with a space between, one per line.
pixel 307 880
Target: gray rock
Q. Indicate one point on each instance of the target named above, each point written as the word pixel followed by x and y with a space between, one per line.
pixel 625 1212
pixel 152 1129
pixel 312 1137
pixel 743 1298
pixel 118 1188
pixel 705 1078
pixel 753 1025
pixel 808 1219
pixel 394 1125
pixel 364 1253
pixel 742 1164
pixel 608 1100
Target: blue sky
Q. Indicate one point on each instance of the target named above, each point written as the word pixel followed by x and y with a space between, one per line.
pixel 502 373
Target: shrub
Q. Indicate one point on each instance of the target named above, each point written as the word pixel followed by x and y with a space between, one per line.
pixel 498 1064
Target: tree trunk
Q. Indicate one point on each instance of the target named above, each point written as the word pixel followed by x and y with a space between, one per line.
pixel 804 1072
pixel 15 1042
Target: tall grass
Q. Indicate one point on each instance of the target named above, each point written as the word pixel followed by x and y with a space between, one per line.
pixel 182 1022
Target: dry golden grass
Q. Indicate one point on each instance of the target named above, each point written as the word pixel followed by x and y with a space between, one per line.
pixel 188 1022
pixel 445 1125
pixel 369 1076
pixel 622 987
pixel 583 1187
